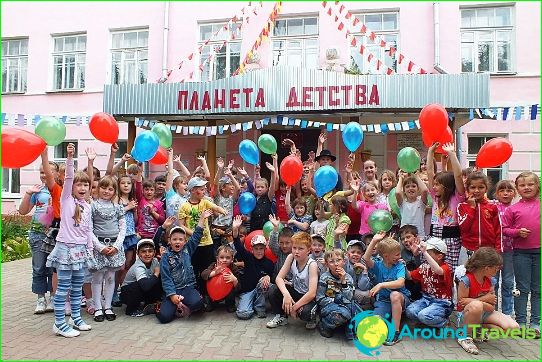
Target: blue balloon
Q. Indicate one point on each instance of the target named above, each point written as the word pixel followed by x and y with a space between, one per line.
pixel 247 203
pixel 325 180
pixel 146 144
pixel 352 136
pixel 249 152
pixel 135 156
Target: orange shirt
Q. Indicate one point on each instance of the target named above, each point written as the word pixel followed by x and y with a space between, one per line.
pixel 55 197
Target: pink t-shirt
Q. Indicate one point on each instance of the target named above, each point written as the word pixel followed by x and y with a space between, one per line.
pixel 446 217
pixel 365 210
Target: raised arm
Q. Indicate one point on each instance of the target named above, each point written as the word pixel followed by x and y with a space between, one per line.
pixel 431 163
pixel 91 155
pixel 219 169
pixel 456 167
pixel 399 192
pixel 126 157
pixel 237 187
pixel 435 267
pixel 423 188
pixel 26 203
pixel 205 167
pixel 170 170
pixel 180 166
pixel 49 176
pixel 287 201
pixel 111 161
pixel 68 179
pixel 369 252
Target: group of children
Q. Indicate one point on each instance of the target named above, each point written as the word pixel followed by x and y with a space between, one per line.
pixel 161 243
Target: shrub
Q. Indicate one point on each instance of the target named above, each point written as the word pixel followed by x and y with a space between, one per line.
pixel 15 237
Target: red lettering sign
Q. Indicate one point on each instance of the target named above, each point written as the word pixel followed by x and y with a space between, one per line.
pixel 331 96
pixel 307 97
pixel 233 98
pixel 260 99
pixel 292 99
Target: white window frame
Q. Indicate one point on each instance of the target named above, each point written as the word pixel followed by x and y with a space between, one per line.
pixel 22 65
pixel 476 31
pixel 8 194
pixel 374 47
pixel 80 62
pixel 138 57
pixel 210 67
pixel 63 147
pixel 302 38
pixel 471 157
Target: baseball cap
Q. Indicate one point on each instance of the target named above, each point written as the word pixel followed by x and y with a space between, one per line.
pixel 437 244
pixel 360 243
pixel 196 182
pixel 258 239
pixel 223 181
pixel 177 229
pixel 143 242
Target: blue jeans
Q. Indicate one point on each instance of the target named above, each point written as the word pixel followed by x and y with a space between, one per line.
pixel 383 307
pixel 430 311
pixel 333 316
pixel 42 277
pixel 250 302
pixel 507 275
pixel 192 299
pixel 527 272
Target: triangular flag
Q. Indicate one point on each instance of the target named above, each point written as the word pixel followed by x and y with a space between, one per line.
pixel 348 15
pixel 361 49
pixel 356 20
pixel 382 43
pixel 324 3
pixel 341 8
pixel 410 65
pixel 353 42
pixel 392 51
pixel 422 71
pixel 534 111
pixel 190 56
pixel 363 29
pixel 401 57
pixel 372 36
pixel 370 57
pixel 341 26
pixel 336 18
pixel 389 71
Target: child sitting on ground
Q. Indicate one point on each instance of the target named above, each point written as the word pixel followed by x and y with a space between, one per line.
pixel 280 243
pixel 356 268
pixel 318 245
pixel 411 255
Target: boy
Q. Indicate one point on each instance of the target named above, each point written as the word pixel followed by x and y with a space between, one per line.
pixel 335 295
pixel 318 245
pixel 296 299
pixel 356 268
pixel 160 189
pixel 412 256
pixel 391 295
pixel 142 282
pixel 178 279
pixel 280 243
pixel 257 274
pixel 435 276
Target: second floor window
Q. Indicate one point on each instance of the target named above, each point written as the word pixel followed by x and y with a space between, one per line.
pixel 129 53
pixel 69 62
pixel 61 153
pixel 486 40
pixel 386 27
pixel 14 65
pixel 224 59
pixel 295 43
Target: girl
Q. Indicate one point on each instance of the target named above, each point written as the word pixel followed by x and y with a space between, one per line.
pixel 387 182
pixel 176 193
pixel 352 213
pixel 307 194
pixel 128 202
pixel 505 192
pixel 338 224
pixel 479 220
pixel 228 192
pixel 71 253
pixel 109 227
pixel 411 204
pixel 299 220
pixel 319 225
pixel 370 172
pixel 365 208
pixel 521 223
pixel 477 298
pixel 447 190
pixel 264 194
pixel 150 211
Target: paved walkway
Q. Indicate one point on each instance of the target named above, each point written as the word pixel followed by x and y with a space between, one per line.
pixel 216 335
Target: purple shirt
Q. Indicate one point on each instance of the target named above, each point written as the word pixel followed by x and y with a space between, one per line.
pixel 523 214
pixel 446 217
pixel 365 210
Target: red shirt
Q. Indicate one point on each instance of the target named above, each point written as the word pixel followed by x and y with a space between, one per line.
pixel 434 285
pixel 480 226
pixel 280 199
pixel 476 289
pixel 355 218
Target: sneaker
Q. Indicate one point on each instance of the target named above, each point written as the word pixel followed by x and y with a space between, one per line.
pixel 83 302
pixel 396 339
pixel 324 332
pixel 137 313
pixel 149 309
pixel 208 304
pixel 116 301
pixel 50 304
pixel 231 308
pixel 261 314
pixel 41 306
pixel 82 326
pixel 69 333
pixel 277 321
pixel 311 324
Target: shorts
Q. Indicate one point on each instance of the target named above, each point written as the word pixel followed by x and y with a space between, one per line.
pixel 130 242
pixel 383 307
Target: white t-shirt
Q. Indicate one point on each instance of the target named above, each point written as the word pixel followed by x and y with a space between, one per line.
pixel 319 227
pixel 413 213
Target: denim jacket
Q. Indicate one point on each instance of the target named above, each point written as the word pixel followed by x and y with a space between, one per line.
pixel 176 268
pixel 361 280
pixel 330 290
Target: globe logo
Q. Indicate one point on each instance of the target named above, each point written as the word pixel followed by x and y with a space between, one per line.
pixel 371 332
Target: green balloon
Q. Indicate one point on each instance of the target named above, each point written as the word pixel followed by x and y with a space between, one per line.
pixel 268 227
pixel 429 200
pixel 380 220
pixel 51 130
pixel 408 159
pixel 392 200
pixel 164 134
pixel 267 144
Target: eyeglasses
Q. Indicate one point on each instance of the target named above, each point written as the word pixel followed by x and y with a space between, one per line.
pixel 334 261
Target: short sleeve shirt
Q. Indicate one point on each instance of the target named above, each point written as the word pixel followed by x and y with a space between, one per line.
pixel 447 217
pixel 173 203
pixel 139 271
pixel 191 214
pixel 434 285
pixel 384 274
pixel 43 213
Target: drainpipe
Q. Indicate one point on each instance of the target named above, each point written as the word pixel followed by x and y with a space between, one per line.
pixel 165 42
pixel 436 37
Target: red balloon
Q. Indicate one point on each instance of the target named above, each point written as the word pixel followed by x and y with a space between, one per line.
pixel 291 170
pixel 20 147
pixel 447 137
pixel 104 127
pixel 217 288
pixel 494 153
pixel 433 120
pixel 269 255
pixel 160 158
pixel 249 237
pixel 427 141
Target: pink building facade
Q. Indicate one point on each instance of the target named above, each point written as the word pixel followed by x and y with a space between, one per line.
pixel 58 65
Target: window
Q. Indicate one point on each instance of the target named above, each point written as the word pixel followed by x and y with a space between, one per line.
pixel 494 174
pixel 14 65
pixel 129 52
pixel 220 60
pixel 69 62
pixel 486 40
pixel 295 43
pixel 11 183
pixel 386 27
pixel 60 153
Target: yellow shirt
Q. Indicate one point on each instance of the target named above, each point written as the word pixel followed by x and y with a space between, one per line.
pixel 191 213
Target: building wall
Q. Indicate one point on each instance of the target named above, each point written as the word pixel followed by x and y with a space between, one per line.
pixel 416 40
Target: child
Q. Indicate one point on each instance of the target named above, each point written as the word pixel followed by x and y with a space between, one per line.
pixel 256 277
pixel 366 208
pixel 338 224
pixel 224 259
pixel 411 195
pixel 296 299
pixel 521 223
pixel 299 220
pixel 435 276
pixel 319 225
pixel 326 158
pixel 370 172
pixel 505 192
pixel 335 296
pixel 306 193
pixel 228 192
pixel 70 255
pixel 318 245
pixel 160 189
pixel 476 295
pixel 176 194
pixel 391 295
pixel 356 268
pixel 447 190
pixel 387 181
pixel 150 210
pixel 109 229
pixel 280 243
pixel 411 254
pixel 178 279
pixel 264 195
pixel 142 282
pixel 479 220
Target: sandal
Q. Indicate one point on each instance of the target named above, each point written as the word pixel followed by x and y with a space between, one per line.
pixel 468 345
pixel 99 316
pixel 111 316
pixel 482 337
